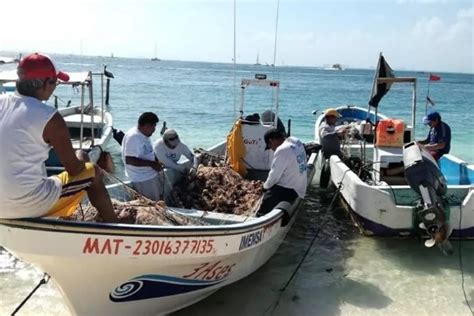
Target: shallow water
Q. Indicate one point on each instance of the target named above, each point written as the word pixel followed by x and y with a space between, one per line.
pixel 343 273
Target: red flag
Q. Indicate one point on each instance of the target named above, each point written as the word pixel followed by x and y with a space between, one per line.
pixel 434 77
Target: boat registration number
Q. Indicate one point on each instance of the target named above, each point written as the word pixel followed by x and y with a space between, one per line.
pixel 143 247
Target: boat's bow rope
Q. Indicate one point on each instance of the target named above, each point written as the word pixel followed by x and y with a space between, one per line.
pixel 44 280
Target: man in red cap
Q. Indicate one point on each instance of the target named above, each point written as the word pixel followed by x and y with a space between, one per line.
pixel 28 129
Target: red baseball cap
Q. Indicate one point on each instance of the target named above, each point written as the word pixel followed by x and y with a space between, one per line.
pixel 40 66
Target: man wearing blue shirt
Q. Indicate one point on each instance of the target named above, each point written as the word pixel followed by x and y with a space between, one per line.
pixel 438 141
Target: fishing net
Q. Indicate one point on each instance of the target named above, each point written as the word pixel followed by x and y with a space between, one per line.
pixel 212 187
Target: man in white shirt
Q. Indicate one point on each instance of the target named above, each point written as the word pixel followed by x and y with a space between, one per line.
pixel 287 178
pixel 329 136
pixel 141 165
pixel 28 130
pixel 169 150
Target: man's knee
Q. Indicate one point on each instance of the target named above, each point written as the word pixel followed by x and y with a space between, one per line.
pixel 98 174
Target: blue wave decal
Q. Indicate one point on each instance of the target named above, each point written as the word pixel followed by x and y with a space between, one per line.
pixel 153 286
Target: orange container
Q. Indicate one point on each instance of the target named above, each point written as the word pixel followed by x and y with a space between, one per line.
pixel 390 133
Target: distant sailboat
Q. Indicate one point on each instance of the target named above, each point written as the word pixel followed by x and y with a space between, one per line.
pixel 257 63
pixel 155 58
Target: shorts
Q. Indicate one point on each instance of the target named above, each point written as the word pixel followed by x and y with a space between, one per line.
pixel 73 191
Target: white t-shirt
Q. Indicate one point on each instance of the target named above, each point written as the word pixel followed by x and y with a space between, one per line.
pixel 289 167
pixel 170 156
pixel 25 189
pixel 135 144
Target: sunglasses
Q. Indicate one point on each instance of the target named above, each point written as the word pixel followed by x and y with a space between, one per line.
pixel 172 139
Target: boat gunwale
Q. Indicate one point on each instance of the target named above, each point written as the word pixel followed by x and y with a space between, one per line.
pixel 130 230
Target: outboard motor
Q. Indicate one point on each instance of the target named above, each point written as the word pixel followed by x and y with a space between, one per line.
pixel 424 177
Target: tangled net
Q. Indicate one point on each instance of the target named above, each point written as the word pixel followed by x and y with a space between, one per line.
pixel 212 187
pixel 218 189
pixel 140 211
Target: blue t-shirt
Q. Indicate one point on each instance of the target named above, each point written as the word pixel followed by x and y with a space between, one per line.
pixel 440 134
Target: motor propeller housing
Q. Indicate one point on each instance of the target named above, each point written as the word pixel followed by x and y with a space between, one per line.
pixel 423 175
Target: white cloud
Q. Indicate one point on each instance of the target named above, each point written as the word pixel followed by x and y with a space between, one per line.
pixel 466 13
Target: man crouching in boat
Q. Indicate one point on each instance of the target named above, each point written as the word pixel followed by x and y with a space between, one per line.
pixel 28 129
pixel 287 178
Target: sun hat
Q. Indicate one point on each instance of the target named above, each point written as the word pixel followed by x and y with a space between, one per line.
pixel 171 137
pixel 430 117
pixel 39 66
pixel 332 112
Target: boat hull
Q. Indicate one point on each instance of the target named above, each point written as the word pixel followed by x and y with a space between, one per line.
pixel 112 271
pixel 388 210
pixel 104 269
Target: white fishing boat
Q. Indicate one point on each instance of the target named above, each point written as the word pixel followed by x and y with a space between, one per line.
pixel 89 123
pixel 394 188
pixel 120 269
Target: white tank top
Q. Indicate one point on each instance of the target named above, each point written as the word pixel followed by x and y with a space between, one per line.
pixel 25 189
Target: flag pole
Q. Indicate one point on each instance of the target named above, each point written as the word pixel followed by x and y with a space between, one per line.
pixel 427 94
pixel 376 75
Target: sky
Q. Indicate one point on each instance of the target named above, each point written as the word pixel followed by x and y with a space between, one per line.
pixel 430 35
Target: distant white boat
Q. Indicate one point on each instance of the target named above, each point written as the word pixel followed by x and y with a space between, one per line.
pixel 155 58
pixel 8 60
pixel 334 67
pixel 257 63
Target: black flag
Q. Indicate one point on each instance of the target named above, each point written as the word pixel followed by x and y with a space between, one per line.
pixel 383 71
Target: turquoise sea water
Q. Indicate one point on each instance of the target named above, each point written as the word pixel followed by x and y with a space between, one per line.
pixel 344 273
pixel 197 99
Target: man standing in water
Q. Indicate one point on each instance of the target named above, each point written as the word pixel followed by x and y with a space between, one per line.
pixel 287 178
pixel 141 165
pixel 28 130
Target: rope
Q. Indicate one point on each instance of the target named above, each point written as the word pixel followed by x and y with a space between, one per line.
pixel 273 306
pixel 461 263
pixel 44 280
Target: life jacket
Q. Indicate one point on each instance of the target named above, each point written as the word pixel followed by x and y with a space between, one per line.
pixel 236 149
